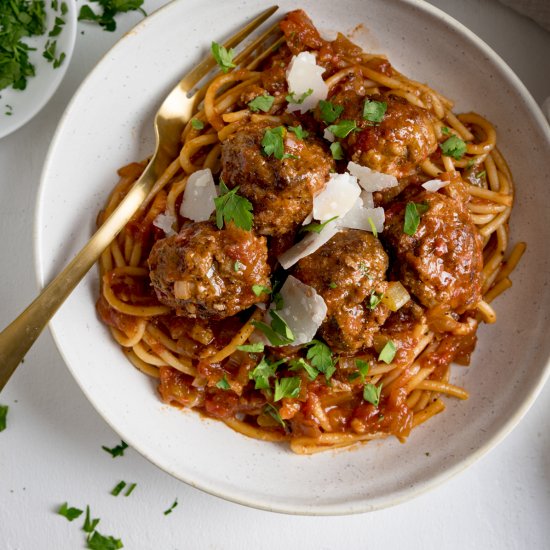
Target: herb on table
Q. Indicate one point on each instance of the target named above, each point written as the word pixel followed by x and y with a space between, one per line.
pixel 371 393
pixel 69 513
pixel 223 56
pixel 50 54
pixel 336 150
pixel 453 147
pixel 287 387
pixel 130 489
pixel 388 352
pixel 101 542
pixel 252 348
pixel 261 103
pixel 169 511
pixel 231 207
pixel 413 211
pixel 343 128
pixel 316 227
pixel 109 9
pixel 116 490
pixel 291 97
pixel 3 417
pixel 329 111
pixel 299 131
pixel 116 451
pixel 89 524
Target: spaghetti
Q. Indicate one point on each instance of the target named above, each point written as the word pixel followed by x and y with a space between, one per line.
pixel 348 385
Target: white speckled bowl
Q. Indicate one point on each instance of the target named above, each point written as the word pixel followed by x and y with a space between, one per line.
pixel 108 123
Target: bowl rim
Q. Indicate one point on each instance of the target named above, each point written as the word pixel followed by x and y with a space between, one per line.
pixel 327 509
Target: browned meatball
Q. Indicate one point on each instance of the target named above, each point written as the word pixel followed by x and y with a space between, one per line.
pixel 398 144
pixel 208 273
pixel 442 262
pixel 281 191
pixel 347 271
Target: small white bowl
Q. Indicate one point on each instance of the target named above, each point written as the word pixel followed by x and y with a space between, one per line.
pixel 23 105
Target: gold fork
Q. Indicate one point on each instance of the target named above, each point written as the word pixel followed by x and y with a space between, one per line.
pixel 175 111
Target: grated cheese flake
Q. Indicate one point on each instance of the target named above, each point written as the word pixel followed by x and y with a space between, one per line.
pixel 198 198
pixel 303 74
pixel 370 180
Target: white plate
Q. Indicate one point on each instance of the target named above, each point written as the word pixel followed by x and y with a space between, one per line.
pixel 109 123
pixel 25 104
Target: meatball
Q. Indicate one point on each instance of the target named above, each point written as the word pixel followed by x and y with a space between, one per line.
pixel 281 191
pixel 208 273
pixel 349 272
pixel 398 144
pixel 441 263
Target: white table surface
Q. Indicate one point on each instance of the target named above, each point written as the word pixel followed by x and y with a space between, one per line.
pixel 51 451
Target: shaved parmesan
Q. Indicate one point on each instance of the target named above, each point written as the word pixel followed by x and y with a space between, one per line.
pixel 360 216
pixel 165 222
pixel 304 310
pixel 378 218
pixel 337 198
pixel 199 195
pixel 328 135
pixel 434 185
pixel 370 180
pixel 303 75
pixel 367 198
pixel 308 219
pixel 308 245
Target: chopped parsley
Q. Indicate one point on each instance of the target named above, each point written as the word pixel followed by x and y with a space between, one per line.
pixel 69 513
pixel 197 124
pixel 317 227
pixel 101 542
pixel 169 511
pixel 57 28
pixel 279 333
pixel 89 524
pixel 237 266
pixel 320 356
pixel 332 284
pixel 343 128
pixel 374 111
pixel 260 289
pixel 297 364
pixel 374 299
pixel 223 56
pixel 3 417
pixel 388 352
pixel 273 411
pixel 109 8
pixel 299 131
pixel 453 147
pixel 223 384
pixel 445 130
pixel 252 348
pixel 291 97
pixel 336 150
pixel 116 451
pixel 263 371
pixel 372 226
pixel 50 54
pixel 231 207
pixel 119 486
pixel 261 103
pixel 371 393
pixel 287 387
pixel 481 175
pixel 329 111
pixel 130 489
pixel 273 143
pixel 413 211
pixel 363 367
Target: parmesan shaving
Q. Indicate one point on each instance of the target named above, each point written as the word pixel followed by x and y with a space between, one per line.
pixel 165 222
pixel 198 198
pixel 370 180
pixel 338 197
pixel 304 74
pixel 328 135
pixel 360 217
pixel 434 185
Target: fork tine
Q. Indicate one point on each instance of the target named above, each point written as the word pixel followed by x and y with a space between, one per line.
pixel 270 49
pixel 207 64
pixel 243 56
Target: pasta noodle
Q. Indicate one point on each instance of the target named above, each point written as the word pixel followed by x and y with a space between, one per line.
pixel 198 358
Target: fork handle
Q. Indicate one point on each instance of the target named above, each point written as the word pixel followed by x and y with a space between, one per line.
pixel 17 338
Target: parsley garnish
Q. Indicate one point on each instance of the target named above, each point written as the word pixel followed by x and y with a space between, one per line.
pixel 237 266
pixel 223 57
pixel 57 28
pixel 116 490
pixel 223 384
pixel 89 524
pixel 413 211
pixel 197 124
pixel 317 227
pixel 297 364
pixel 110 8
pixel 279 325
pixel 3 417
pixel 261 374
pixel 332 284
pixel 291 97
pixel 273 411
pixel 130 489
pixel 453 147
pixel 231 207
pixel 481 174
pixel 374 111
pixel 329 111
pixel 343 128
pixel 336 150
pixel 363 367
pixel 445 130
pixel 374 299
pixel 287 387
pixel 261 103
pixel 260 289
pixel 388 352
pixel 299 131
pixel 252 348
pixel 272 142
pixel 69 513
pixel 116 451
pixel 169 511
pixel 101 542
pixel 320 356
pixel 279 333
pixel 49 54
pixel 372 226
pixel 371 393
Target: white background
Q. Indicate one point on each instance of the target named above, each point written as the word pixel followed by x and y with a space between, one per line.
pixel 51 451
